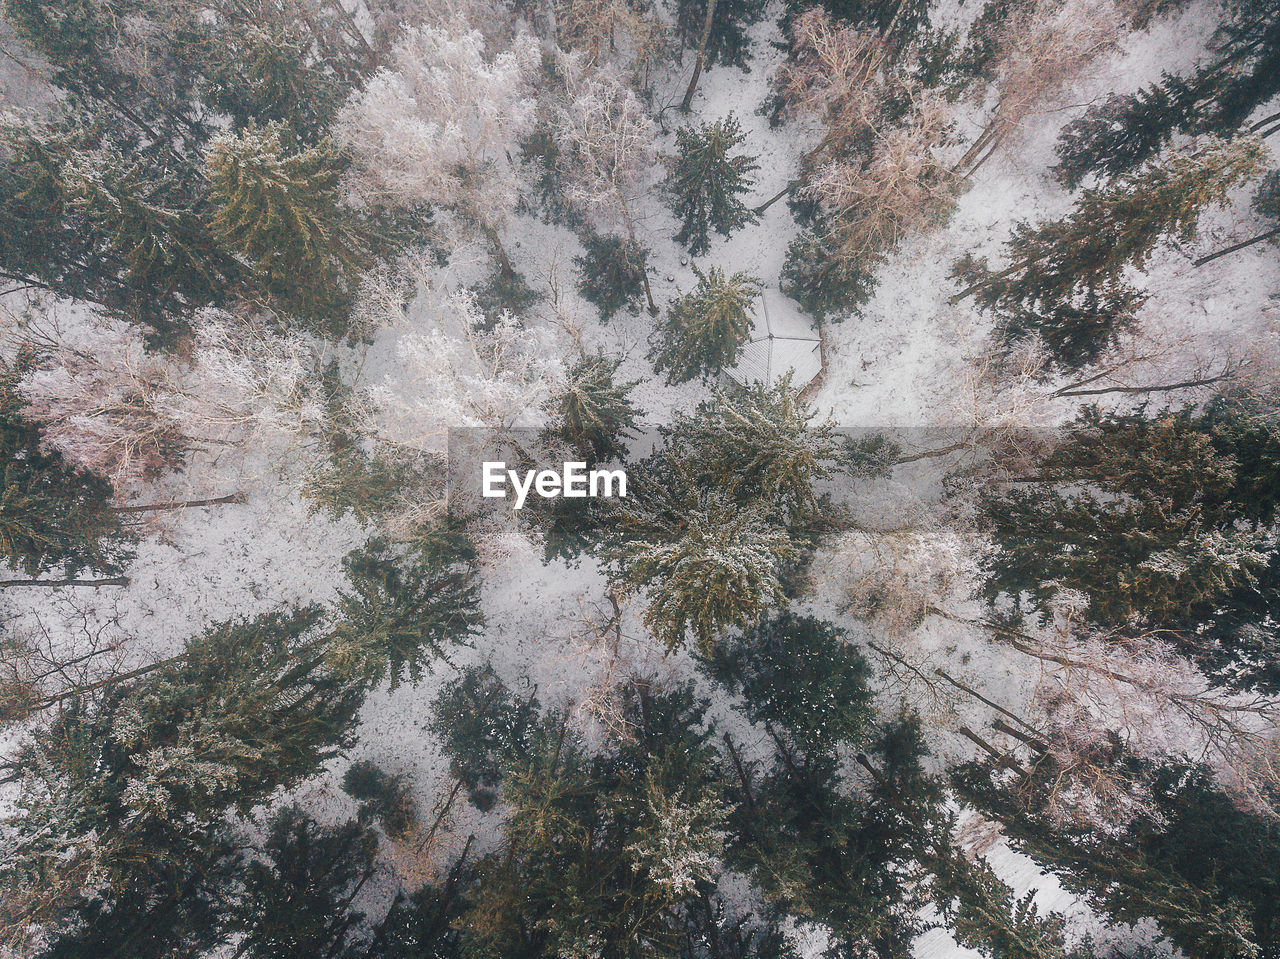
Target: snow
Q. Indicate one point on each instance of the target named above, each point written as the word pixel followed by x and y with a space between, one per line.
pixel 907 362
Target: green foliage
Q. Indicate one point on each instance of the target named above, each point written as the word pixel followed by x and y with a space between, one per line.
pixel 132 786
pixel 89 211
pixel 613 852
pixel 1204 870
pixel 52 515
pixel 611 274
pixel 296 901
pixel 826 286
pixel 1159 521
pixel 276 206
pixel 760 445
pixel 382 796
pixel 1067 278
pixel 707 182
pixel 704 330
pixel 262 70
pixel 406 607
pixel 1217 99
pixel 1266 201
pixel 483 728
pixel 859 864
pixel 728 43
pixel 594 413
pixel 800 674
pixel 709 564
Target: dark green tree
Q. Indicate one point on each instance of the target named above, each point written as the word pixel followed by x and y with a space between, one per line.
pixel 406 608
pixel 707 183
pixel 276 206
pixel 727 41
pixel 483 727
pixel 52 515
pixel 593 412
pixel 132 784
pixel 1066 281
pixel 1191 860
pixel 1218 99
pixel 296 901
pixel 704 330
pixel 827 286
pixel 611 274
pixel 1160 521
pixel 801 675
pixel 382 797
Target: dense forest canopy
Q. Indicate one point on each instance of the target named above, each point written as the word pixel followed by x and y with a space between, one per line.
pixel 969 643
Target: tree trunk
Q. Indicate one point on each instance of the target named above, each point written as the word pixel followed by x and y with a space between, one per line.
pixel 1243 244
pixel 1164 388
pixel 701 59
pixel 57 583
pixel 631 234
pixel 504 262
pixel 791 185
pixel 183 504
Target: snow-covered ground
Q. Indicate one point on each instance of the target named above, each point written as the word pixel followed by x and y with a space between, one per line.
pixel 909 361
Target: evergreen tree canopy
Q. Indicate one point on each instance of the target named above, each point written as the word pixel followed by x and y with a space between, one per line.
pixel 707 182
pixel 1120 134
pixel 406 608
pixel 1066 281
pixel 1204 870
pixel 276 206
pixel 704 330
pixel 708 563
pixel 52 515
pixel 1163 521
pixel 126 791
pixel 827 286
pixel 296 901
pixel 802 675
pixel 611 274
pixel 594 413
pixel 760 445
pixel 728 43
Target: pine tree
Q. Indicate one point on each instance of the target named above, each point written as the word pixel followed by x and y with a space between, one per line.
pixel 382 796
pixel 708 563
pixel 483 728
pixel 826 286
pixel 1117 136
pixel 262 67
pixel 707 182
pixel 611 274
pixel 1066 281
pixel 727 42
pixel 124 796
pixel 801 675
pixel 296 900
pixel 1200 867
pixel 52 515
pixel 704 330
pixel 858 864
pixel 760 445
pixel 614 851
pixel 405 608
pixel 90 211
pixel 594 413
pixel 1162 521
pixel 276 206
